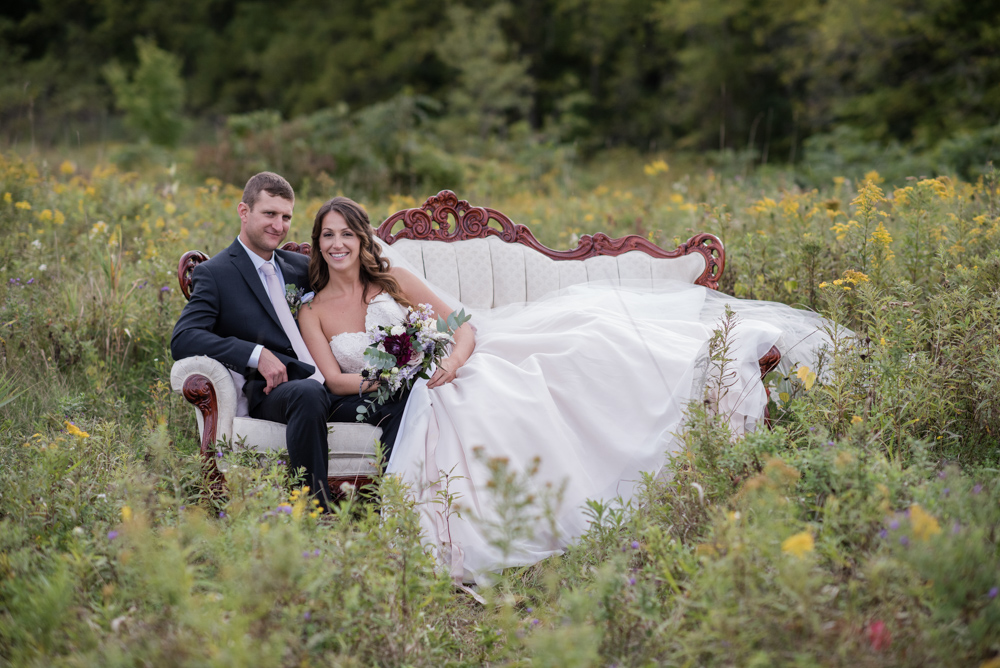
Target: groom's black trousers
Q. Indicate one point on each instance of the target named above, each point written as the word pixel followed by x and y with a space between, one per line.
pixel 302 405
pixel 305 406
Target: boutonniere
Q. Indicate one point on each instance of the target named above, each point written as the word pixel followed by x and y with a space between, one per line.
pixel 296 297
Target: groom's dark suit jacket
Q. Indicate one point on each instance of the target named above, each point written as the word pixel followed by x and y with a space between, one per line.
pixel 229 313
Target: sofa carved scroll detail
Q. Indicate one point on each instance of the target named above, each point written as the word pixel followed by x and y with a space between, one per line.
pixel 200 392
pixel 473 222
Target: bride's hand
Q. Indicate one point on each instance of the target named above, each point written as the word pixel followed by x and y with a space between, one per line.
pixel 444 373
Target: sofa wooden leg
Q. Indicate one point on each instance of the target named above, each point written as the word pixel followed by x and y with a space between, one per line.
pixel 767 363
pixel 198 390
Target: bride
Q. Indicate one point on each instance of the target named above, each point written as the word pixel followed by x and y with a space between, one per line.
pixel 540 406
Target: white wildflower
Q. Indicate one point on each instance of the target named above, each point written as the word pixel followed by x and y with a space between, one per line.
pixel 36 243
pixel 43 267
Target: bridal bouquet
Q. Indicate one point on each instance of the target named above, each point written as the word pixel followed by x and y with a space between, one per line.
pixel 399 354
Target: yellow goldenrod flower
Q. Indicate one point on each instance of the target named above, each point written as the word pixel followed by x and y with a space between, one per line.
pixel 857 419
pixel 924 524
pixel 58 217
pixel 799 544
pixel 23 206
pixel 45 215
pixel 855 277
pixel 67 167
pixel 126 514
pixel 656 167
pixel 73 430
pixel 7 198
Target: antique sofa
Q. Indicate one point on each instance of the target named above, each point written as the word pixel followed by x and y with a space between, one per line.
pixel 476 253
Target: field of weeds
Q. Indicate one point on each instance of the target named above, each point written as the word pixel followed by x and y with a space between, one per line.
pixel 862 530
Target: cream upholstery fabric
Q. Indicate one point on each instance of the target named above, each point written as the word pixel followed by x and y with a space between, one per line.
pixel 475 273
pixel 602 268
pixel 441 264
pixel 490 272
pixel 410 250
pixel 571 273
pixel 509 277
pixel 541 275
pixel 686 268
pixel 636 268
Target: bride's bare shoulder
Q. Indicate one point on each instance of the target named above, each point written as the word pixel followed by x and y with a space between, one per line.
pixel 403 276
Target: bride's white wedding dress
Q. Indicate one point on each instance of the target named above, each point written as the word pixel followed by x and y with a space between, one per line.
pixel 591 384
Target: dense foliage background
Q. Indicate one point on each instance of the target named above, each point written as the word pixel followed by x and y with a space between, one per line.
pixel 769 79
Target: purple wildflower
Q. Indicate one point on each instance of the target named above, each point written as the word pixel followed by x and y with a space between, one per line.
pixel 942 475
pixel 218 454
pixel 306 555
pixel 535 622
pixel 635 545
pixel 221 514
pixel 956 527
pixel 883 533
pixel 631 581
pixel 529 610
pixel 894 525
pixel 30 281
pixel 112 535
pixel 281 461
pixel 977 488
pixel 904 541
pixel 316 552
pixel 165 288
pixel 284 508
pixel 992 593
pixel 812 428
pixel 307 615
pixel 183 507
pixel 946 491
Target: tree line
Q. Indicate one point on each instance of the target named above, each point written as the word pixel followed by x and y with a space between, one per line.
pixel 701 74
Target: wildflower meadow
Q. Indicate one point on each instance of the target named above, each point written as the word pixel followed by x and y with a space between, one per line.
pixel 861 529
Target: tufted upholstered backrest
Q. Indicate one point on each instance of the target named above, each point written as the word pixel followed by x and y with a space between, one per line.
pixel 489 272
pixel 480 256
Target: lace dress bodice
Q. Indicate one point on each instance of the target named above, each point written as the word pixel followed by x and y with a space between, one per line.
pixel 349 347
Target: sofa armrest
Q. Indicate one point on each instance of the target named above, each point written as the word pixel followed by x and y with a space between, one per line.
pixel 208 385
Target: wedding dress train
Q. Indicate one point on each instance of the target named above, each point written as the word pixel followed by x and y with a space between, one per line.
pixel 587 388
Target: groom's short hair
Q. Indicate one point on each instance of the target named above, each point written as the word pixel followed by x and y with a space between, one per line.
pixel 269 182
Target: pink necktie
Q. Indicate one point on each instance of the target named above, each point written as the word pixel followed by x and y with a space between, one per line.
pixel 277 294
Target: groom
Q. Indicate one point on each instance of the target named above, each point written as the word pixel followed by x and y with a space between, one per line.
pixel 238 315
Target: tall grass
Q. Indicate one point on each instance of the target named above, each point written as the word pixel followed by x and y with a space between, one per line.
pixel 862 530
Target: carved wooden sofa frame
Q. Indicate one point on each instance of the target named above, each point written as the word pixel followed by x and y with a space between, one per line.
pixel 444 218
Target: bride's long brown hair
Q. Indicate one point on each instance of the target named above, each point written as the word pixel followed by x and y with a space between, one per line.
pixel 374 268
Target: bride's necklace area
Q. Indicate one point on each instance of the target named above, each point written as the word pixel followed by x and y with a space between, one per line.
pixel 345 312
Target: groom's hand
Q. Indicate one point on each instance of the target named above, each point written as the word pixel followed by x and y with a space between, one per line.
pixel 271 368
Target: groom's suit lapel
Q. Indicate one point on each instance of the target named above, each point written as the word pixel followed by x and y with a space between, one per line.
pixel 287 271
pixel 250 275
